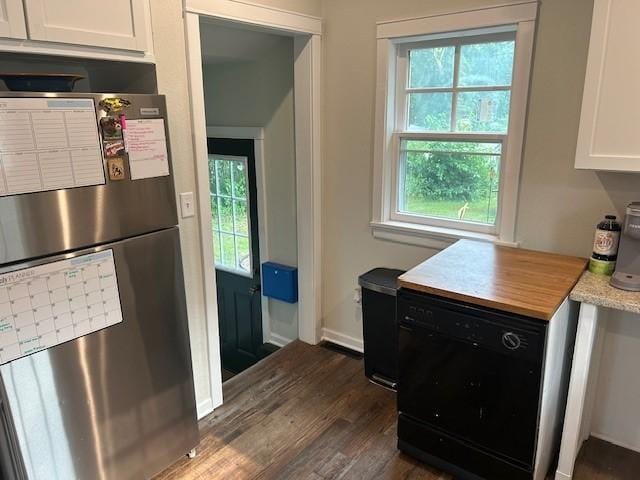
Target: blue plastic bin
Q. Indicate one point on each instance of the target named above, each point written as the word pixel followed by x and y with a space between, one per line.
pixel 280 282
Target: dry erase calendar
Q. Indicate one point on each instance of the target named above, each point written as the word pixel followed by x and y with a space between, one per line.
pixel 50 304
pixel 48 144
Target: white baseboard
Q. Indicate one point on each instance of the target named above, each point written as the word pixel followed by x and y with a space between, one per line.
pixel 204 408
pixel 278 340
pixel 343 340
pixel 606 438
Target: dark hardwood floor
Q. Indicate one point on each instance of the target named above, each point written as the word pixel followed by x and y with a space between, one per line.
pixel 227 375
pixel 599 460
pixel 309 413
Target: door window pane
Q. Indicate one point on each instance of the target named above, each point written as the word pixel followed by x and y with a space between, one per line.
pixel 244 254
pixel 450 180
pixel 228 257
pixel 224 210
pixel 430 112
pixel 241 216
pixel 229 212
pixel 486 64
pixel 223 172
pixel 431 67
pixel 483 111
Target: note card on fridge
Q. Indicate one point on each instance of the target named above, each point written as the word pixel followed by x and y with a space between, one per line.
pixel 48 144
pixel 147 148
pixel 44 306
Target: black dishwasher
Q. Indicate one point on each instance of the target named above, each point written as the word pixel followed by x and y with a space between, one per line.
pixel 469 387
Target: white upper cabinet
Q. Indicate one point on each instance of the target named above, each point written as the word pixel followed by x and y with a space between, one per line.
pixel 12 19
pixel 108 30
pixel 609 136
pixel 116 24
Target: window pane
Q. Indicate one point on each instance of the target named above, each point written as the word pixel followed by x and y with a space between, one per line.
pixel 483 111
pixel 212 174
pixel 239 179
pixel 217 247
pixel 431 67
pixel 430 112
pixel 244 254
pixel 486 64
pixel 214 212
pixel 242 219
pixel 226 215
pixel 451 180
pixel 228 251
pixel 223 169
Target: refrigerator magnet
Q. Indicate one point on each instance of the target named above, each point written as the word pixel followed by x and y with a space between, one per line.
pixel 113 148
pixel 114 105
pixel 115 166
pixel 111 128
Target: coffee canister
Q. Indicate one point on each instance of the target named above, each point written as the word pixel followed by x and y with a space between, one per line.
pixel 605 246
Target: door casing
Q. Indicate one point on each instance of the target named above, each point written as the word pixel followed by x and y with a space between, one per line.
pixel 307 33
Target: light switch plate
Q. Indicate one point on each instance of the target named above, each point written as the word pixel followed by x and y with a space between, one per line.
pixel 187 207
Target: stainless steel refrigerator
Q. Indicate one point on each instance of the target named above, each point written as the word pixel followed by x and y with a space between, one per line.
pixel 96 365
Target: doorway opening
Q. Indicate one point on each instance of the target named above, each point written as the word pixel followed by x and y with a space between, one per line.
pixel 306 32
pixel 248 82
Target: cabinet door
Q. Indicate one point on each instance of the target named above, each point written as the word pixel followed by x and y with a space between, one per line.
pixel 117 24
pixel 12 19
pixel 608 138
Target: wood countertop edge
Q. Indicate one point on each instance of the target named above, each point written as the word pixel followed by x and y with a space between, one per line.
pixel 539 314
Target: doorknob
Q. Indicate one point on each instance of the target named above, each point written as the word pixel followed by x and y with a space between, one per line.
pixel 254 289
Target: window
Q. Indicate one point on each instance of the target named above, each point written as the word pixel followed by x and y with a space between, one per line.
pixel 450 124
pixel 447 89
pixel 229 209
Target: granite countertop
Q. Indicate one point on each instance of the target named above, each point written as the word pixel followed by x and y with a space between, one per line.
pixel 595 289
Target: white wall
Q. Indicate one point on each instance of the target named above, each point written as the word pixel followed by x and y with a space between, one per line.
pixel 616 415
pixel 258 91
pixel 558 206
pixel 171 69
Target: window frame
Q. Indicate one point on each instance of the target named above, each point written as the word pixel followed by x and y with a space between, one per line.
pixel 218 232
pixel 395 39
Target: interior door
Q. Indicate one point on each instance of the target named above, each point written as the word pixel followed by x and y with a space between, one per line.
pixel 114 24
pixel 12 22
pixel 232 181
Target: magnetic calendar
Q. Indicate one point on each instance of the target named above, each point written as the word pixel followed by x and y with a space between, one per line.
pixel 50 304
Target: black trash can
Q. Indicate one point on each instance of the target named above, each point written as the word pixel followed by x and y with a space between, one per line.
pixel 379 325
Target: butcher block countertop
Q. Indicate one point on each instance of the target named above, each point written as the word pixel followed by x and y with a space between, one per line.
pixel 514 280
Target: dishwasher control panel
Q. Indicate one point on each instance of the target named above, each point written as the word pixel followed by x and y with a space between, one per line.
pixel 506 333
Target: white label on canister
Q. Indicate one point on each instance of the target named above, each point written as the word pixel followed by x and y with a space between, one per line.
pixel 606 242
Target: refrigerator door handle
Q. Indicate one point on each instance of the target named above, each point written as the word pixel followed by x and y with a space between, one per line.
pixel 12 467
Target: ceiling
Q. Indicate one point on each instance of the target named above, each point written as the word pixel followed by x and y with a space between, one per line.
pixel 222 44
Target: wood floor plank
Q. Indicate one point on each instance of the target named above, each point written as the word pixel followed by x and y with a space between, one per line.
pixel 308 412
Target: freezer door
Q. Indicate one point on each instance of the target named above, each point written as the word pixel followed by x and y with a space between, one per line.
pixel 78 217
pixel 118 403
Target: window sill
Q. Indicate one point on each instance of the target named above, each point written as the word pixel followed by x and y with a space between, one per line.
pixel 437 238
